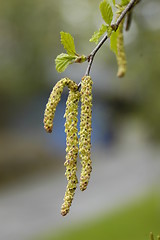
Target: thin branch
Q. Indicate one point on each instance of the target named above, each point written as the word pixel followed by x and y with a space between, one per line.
pixel 114 26
pixel 127 9
pixel 93 53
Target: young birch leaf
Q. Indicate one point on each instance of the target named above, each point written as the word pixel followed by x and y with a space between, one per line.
pixel 98 34
pixel 62 61
pixel 68 43
pixel 124 2
pixel 113 42
pixel 106 11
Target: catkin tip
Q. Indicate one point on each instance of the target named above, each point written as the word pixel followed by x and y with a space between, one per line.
pixel 83 187
pixel 64 212
pixel 121 72
pixel 48 130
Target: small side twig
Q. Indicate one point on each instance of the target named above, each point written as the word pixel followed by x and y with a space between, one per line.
pixel 129 20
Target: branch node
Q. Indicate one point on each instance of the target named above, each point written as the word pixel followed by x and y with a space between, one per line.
pixel 114 27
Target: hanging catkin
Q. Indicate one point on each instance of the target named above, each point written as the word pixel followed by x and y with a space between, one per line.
pixel 85 131
pixel 53 101
pixel 121 57
pixel 71 149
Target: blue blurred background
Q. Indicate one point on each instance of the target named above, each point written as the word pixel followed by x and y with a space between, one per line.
pixel 126 121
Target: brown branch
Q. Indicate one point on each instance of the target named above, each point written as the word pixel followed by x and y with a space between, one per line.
pixel 130 5
pixel 114 26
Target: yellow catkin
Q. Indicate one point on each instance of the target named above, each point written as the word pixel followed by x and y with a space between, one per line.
pixel 85 131
pixel 121 57
pixel 53 101
pixel 71 149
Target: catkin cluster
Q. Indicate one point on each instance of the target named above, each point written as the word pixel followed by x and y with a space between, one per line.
pixel 85 131
pixel 121 57
pixel 71 131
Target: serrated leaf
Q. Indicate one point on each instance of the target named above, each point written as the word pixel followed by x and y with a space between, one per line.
pixel 113 42
pixel 68 42
pixel 98 34
pixel 124 2
pixel 62 61
pixel 106 11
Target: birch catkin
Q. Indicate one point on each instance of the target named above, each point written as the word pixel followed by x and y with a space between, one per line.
pixel 85 131
pixel 71 149
pixel 121 57
pixel 53 101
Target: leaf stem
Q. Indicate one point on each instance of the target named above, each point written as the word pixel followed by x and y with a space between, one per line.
pixel 90 58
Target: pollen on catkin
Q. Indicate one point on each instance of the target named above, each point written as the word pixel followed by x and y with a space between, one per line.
pixel 71 149
pixel 85 131
pixel 53 101
pixel 121 57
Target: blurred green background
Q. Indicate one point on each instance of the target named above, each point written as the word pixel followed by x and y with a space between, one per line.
pixel 130 222
pixel 126 123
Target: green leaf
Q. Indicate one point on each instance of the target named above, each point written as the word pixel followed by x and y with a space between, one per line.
pixel 113 42
pixel 62 61
pixel 68 43
pixel 114 2
pixel 98 34
pixel 106 11
pixel 124 2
